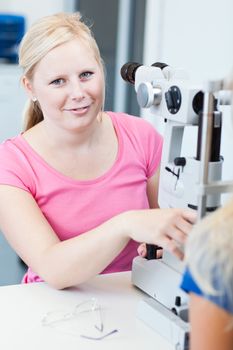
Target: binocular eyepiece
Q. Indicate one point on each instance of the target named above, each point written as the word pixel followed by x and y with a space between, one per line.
pixel 128 70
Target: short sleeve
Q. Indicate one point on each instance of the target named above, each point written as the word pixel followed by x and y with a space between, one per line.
pixel 14 167
pixel 222 298
pixel 154 151
pixel 188 284
pixel 152 143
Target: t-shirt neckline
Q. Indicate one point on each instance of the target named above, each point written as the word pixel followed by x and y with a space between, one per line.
pixel 76 181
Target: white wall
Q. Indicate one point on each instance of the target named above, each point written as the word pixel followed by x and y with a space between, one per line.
pixel 197 36
pixel 33 10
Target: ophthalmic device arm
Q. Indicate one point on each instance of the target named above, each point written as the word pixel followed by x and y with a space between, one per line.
pixel 193 182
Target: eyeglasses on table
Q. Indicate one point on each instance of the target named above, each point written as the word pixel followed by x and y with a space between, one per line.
pixel 85 320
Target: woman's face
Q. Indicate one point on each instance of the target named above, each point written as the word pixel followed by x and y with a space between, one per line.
pixel 69 86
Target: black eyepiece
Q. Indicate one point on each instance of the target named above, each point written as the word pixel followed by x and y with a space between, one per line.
pixel 128 71
pixel 160 65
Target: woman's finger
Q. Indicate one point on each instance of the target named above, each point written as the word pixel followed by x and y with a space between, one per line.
pixel 172 247
pixel 176 234
pixel 142 250
pixel 183 225
pixel 190 215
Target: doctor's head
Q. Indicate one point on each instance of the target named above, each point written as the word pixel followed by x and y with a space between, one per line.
pixel 46 34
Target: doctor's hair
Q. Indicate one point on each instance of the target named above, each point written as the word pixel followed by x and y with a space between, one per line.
pixel 44 35
pixel 209 253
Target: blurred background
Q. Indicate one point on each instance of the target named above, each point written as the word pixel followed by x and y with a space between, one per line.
pixel 195 35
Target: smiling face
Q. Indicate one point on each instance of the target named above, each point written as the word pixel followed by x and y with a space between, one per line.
pixel 69 86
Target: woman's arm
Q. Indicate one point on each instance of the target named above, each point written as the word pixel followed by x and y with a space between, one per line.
pixel 152 195
pixel 60 263
pixel 153 189
pixel 73 261
pixel 209 325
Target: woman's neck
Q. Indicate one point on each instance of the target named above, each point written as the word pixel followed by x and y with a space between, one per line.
pixel 67 140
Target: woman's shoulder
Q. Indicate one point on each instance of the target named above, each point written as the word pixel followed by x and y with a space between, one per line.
pixel 134 123
pixel 128 118
pixel 9 147
pixel 14 167
pixel 219 289
pixel 188 283
pixel 13 154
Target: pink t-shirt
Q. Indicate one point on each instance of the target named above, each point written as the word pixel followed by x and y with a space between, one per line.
pixel 73 207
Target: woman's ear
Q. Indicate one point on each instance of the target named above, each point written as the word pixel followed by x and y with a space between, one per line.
pixel 28 87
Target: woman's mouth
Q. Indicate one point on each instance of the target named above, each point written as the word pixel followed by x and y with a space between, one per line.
pixel 79 110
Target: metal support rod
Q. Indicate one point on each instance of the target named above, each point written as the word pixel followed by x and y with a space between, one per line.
pixel 206 139
pixel 216 187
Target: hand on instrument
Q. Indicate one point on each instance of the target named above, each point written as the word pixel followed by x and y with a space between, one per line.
pixel 167 228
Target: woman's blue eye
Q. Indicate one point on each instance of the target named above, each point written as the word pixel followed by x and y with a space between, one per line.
pixel 86 75
pixel 57 81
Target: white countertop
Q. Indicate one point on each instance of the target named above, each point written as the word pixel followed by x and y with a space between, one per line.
pixel 22 308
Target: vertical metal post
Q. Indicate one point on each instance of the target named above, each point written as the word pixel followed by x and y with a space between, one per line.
pixel 206 139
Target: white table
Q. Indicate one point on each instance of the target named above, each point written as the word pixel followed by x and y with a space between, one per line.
pixel 22 308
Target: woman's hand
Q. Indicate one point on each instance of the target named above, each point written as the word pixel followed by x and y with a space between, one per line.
pixel 167 228
pixel 142 251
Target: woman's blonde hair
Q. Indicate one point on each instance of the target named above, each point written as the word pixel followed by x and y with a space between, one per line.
pixel 209 253
pixel 44 35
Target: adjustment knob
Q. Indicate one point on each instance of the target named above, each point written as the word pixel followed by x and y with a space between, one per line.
pixel 173 99
pixel 148 95
pixel 178 300
pixel 180 161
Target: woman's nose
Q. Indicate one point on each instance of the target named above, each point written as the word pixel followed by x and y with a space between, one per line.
pixel 77 91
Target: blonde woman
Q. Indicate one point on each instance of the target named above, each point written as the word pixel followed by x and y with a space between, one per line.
pixel 78 188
